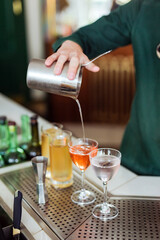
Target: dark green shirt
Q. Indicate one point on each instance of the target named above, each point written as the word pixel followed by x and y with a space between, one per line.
pixel 138 23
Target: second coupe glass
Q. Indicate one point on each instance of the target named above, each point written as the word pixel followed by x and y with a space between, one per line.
pixel 105 163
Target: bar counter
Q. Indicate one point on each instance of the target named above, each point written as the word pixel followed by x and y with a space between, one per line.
pixel 126 185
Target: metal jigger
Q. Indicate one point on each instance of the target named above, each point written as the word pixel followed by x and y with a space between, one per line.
pixel 40 166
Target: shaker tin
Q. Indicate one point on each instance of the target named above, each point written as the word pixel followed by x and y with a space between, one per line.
pixel 42 78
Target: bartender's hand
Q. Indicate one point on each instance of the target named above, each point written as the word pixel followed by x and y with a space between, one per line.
pixel 72 52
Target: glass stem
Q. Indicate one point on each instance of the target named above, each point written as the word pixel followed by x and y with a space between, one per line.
pixel 82 179
pixel 105 195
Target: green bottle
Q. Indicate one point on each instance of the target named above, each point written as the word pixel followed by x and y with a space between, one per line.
pixel 25 133
pixel 1 161
pixel 4 137
pixel 14 154
pixel 35 148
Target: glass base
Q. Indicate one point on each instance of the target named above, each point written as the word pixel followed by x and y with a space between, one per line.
pixel 59 184
pixel 48 174
pixel 103 212
pixel 83 197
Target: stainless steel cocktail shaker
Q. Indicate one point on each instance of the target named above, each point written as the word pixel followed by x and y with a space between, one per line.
pixel 43 78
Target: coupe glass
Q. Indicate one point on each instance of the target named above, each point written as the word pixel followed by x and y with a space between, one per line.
pixel 105 162
pixel 79 150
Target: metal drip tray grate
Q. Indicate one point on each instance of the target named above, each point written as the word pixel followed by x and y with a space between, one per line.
pixel 138 219
pixel 59 213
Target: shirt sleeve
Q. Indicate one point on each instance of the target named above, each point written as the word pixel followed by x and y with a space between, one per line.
pixel 108 32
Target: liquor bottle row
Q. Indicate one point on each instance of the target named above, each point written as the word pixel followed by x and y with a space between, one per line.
pixel 14 150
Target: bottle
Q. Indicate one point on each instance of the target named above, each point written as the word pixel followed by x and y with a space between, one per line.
pixel 2 163
pixel 14 154
pixel 25 133
pixel 35 148
pixel 4 138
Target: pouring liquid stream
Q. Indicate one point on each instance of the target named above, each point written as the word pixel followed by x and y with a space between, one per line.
pixel 77 101
pixel 81 117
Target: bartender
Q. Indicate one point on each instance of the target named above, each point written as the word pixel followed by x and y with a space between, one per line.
pixel 136 23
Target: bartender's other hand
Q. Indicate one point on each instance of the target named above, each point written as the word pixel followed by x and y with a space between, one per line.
pixel 72 52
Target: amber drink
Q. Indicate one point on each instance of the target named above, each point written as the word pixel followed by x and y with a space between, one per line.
pixel 47 134
pixel 60 161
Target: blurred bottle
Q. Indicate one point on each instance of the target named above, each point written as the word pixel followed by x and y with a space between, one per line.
pixel 34 148
pixel 4 137
pixel 2 163
pixel 14 154
pixel 25 133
